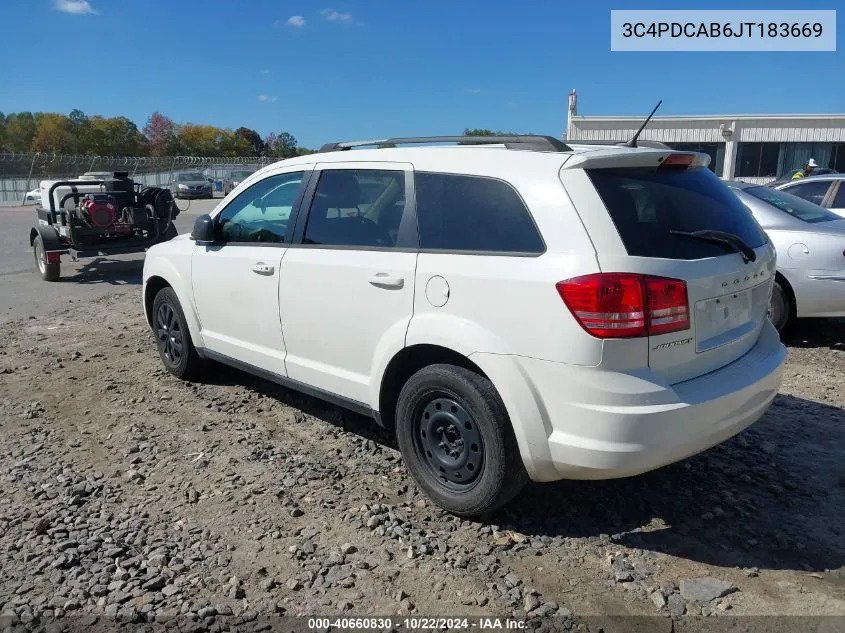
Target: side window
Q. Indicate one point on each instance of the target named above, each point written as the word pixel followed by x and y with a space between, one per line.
pixel 357 207
pixel 473 213
pixel 839 198
pixel 812 191
pixel 261 213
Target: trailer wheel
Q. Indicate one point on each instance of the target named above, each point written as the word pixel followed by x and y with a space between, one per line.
pixel 49 272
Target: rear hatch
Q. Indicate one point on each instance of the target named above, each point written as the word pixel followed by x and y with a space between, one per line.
pixel 666 218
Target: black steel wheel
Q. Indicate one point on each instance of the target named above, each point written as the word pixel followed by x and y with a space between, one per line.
pixel 173 340
pixel 456 440
pixel 48 272
pixel 449 441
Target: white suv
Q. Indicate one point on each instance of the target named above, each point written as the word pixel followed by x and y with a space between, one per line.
pixel 519 310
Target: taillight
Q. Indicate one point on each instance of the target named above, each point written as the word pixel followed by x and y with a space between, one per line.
pixel 677 161
pixel 54 257
pixel 625 305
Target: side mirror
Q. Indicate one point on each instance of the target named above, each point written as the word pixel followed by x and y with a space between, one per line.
pixel 203 233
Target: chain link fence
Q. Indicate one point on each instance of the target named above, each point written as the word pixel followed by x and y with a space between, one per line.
pixel 21 173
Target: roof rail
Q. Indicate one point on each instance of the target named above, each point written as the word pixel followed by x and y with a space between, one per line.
pixel 532 142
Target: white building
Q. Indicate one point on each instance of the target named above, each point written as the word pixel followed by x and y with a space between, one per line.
pixel 751 147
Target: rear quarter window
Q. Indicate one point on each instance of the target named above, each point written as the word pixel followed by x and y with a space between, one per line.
pixel 646 204
pixel 473 214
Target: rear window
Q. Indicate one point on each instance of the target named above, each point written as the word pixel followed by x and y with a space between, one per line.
pixel 793 205
pixel 646 204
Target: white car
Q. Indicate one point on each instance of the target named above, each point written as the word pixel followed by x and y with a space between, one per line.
pixel 524 310
pixel 810 244
pixel 827 190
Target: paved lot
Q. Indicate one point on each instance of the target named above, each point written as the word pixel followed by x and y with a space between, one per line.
pixel 23 293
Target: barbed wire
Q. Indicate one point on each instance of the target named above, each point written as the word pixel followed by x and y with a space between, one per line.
pixel 41 158
pixel 21 171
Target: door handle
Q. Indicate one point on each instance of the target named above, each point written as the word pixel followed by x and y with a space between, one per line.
pixel 262 269
pixel 386 280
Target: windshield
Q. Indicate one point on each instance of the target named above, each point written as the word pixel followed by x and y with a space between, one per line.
pixel 191 175
pixel 797 207
pixel 652 207
pixel 240 175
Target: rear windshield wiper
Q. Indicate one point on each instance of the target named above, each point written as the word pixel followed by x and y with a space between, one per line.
pixel 721 237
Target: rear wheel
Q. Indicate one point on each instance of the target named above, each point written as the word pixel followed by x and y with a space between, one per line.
pixel 49 272
pixel 780 309
pixel 175 347
pixel 456 440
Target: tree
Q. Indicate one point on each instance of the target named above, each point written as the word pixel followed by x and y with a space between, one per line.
pixel 235 144
pixel 480 131
pixel 54 133
pixel 81 131
pixel 159 131
pixel 20 131
pixel 117 136
pixel 2 132
pixel 252 139
pixel 282 145
pixel 199 140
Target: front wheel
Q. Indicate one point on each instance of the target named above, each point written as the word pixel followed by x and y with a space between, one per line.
pixel 173 340
pixel 49 272
pixel 456 440
pixel 780 309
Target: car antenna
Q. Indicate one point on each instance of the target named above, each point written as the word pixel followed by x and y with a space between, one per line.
pixel 633 141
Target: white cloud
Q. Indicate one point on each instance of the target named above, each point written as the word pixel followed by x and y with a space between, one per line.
pixel 296 20
pixel 77 7
pixel 266 99
pixel 335 16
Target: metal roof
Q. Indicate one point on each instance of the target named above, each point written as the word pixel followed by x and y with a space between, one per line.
pixel 711 117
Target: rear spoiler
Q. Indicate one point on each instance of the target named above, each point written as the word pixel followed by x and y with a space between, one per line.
pixel 621 157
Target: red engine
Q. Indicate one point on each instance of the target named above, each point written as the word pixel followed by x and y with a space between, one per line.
pixel 102 213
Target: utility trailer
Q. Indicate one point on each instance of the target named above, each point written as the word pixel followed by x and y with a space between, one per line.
pixel 98 218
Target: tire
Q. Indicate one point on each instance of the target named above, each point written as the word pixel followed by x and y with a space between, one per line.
pixel 780 308
pixel 173 339
pixel 48 272
pixel 169 233
pixel 457 442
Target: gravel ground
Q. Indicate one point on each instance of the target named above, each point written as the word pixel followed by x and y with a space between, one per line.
pixel 130 496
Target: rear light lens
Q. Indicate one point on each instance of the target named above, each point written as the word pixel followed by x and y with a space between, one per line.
pixel 54 258
pixel 625 305
pixel 677 161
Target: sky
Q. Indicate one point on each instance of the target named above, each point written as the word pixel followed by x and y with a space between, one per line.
pixel 331 70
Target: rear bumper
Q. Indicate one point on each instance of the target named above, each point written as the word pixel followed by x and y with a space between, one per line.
pixel 588 423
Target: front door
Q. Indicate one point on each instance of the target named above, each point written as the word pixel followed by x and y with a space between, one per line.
pixel 347 280
pixel 236 281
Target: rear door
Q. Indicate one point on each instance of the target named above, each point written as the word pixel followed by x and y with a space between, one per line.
pixel 347 281
pixel 635 212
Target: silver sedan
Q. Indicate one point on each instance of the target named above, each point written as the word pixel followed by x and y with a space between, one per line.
pixel 810 244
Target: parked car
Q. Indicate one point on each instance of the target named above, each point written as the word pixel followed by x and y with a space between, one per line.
pixel 191 184
pixel 34 195
pixel 525 310
pixel 827 191
pixel 787 177
pixel 234 178
pixel 811 261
